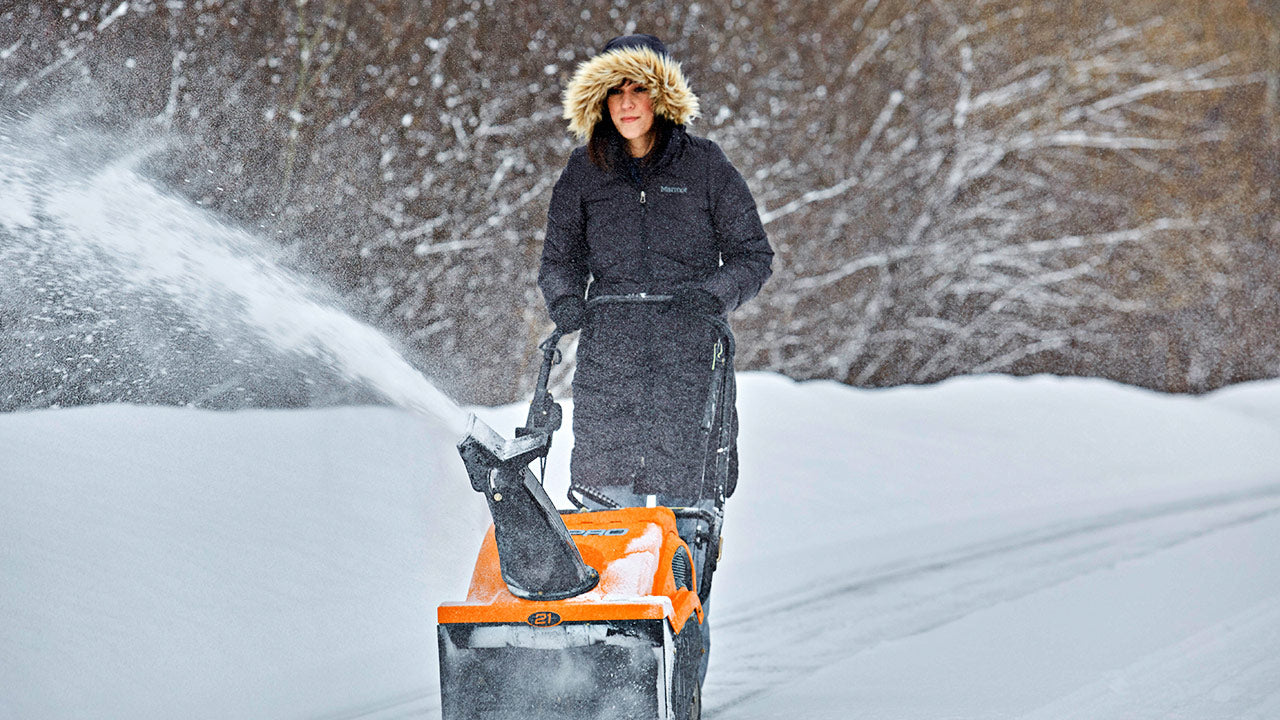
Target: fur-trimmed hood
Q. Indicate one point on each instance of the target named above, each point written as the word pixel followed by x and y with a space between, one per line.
pixel 662 76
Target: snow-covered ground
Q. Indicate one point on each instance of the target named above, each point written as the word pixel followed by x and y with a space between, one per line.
pixel 986 548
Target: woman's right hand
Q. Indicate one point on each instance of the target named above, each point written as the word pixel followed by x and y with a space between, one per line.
pixel 568 313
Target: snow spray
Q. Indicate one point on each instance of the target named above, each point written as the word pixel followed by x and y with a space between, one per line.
pixel 220 273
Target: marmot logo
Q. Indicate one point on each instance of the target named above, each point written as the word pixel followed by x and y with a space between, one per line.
pixel 678 190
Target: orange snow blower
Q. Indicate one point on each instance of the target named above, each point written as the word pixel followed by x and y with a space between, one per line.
pixel 583 614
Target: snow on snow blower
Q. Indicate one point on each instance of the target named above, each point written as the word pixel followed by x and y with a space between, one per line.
pixel 583 614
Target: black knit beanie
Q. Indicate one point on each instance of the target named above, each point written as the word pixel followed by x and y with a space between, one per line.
pixel 637 40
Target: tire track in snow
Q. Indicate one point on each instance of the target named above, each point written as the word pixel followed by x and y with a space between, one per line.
pixel 788 636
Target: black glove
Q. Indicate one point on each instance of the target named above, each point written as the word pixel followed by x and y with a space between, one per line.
pixel 696 301
pixel 568 313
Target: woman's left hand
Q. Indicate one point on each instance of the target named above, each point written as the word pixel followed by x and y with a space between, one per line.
pixel 696 301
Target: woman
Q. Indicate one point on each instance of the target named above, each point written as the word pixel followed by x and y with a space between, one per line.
pixel 644 207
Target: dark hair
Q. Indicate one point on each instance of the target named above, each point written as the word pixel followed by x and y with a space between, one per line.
pixel 607 148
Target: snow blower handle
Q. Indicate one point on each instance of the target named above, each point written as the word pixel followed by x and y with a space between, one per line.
pixel 545 415
pixel 718 323
pixel 717 437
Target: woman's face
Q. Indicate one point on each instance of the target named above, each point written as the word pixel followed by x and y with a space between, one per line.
pixel 632 113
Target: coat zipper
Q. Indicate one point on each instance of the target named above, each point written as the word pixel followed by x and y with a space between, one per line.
pixel 644 228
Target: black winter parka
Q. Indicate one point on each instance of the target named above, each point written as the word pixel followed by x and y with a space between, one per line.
pixel 686 219
pixel 689 210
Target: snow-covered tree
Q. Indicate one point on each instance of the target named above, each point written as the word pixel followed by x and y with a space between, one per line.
pixel 952 186
pixel 1023 186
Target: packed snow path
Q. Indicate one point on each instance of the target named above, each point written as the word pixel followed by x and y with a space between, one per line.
pixel 985 549
pixel 1043 607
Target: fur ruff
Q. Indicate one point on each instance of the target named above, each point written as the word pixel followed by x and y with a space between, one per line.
pixel 668 90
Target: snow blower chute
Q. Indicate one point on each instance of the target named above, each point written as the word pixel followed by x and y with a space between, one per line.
pixel 586 614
